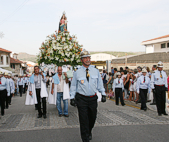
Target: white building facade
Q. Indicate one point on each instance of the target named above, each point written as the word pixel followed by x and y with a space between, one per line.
pixel 160 44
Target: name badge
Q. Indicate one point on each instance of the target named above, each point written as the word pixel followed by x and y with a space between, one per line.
pixel 82 81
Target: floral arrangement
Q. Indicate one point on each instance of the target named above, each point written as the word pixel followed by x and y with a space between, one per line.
pixel 60 49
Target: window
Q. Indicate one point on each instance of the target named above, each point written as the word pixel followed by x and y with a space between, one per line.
pixel 2 60
pixel 167 45
pixel 7 60
pixel 163 45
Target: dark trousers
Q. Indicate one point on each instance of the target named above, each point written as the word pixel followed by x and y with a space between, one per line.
pixel 39 102
pixel 6 99
pixel 10 98
pixel 154 97
pixel 143 97
pixel 24 89
pixel 87 110
pixel 20 90
pixel 160 98
pixel 119 93
pixel 2 100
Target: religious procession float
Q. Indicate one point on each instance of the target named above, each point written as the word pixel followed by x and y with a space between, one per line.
pixel 60 49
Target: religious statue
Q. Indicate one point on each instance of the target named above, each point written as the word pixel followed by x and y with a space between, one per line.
pixel 63 23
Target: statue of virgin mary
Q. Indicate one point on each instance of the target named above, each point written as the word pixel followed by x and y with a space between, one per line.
pixel 63 22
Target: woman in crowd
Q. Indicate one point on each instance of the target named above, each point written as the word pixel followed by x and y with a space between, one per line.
pixel 131 87
pixel 110 81
pixel 126 82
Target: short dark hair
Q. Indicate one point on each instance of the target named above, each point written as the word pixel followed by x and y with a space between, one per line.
pixel 126 68
pixel 104 71
pixel 115 69
pixel 125 72
pixel 154 66
pixel 110 73
pixel 35 67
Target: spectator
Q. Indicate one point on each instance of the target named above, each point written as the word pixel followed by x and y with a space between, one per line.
pixel 126 82
pixel 115 73
pixel 168 86
pixel 121 69
pixel 110 81
pixel 112 71
pixel 104 80
pixel 111 94
pixel 148 72
pixel 131 87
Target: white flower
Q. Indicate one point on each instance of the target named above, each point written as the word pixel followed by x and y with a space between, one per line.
pixel 63 39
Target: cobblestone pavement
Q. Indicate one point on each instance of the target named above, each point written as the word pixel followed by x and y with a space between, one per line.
pixel 20 117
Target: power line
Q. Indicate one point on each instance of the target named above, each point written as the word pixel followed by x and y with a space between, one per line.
pixel 13 13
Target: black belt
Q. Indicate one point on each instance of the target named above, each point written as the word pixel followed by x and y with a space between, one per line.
pixel 2 90
pixel 159 85
pixel 87 96
pixel 38 88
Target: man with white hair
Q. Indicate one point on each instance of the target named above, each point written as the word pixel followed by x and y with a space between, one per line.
pixel 20 84
pixel 160 86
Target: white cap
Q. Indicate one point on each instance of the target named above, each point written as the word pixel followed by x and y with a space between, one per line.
pixel 85 53
pixel 5 73
pixel 160 64
pixel 144 70
pixel 118 73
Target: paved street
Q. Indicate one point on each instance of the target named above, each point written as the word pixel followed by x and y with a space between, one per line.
pixel 114 123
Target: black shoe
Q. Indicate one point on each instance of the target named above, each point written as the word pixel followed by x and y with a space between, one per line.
pixel 159 114
pixel 66 115
pixel 10 104
pixel 123 104
pixel 44 116
pixel 90 136
pixel 145 109
pixel 141 109
pixel 39 116
pixel 36 108
pixel 2 113
pixel 6 107
pixel 60 115
pixel 165 113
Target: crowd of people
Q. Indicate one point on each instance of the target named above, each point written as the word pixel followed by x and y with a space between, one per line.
pixel 82 87
pixel 137 84
pixel 10 86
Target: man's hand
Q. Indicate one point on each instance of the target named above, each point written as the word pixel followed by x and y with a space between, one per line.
pixel 166 89
pixel 154 91
pixel 52 91
pixel 72 102
pixel 30 93
pixel 103 99
pixel 65 74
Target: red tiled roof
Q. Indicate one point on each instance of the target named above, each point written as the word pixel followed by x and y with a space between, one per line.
pixel 29 65
pixel 15 61
pixel 157 38
pixel 4 50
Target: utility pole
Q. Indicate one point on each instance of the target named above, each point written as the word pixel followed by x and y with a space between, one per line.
pixel 126 60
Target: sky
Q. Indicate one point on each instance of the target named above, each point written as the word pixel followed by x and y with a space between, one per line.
pixel 100 25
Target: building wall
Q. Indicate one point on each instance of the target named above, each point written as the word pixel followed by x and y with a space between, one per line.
pixel 149 48
pixel 102 57
pixel 4 55
pixel 157 48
